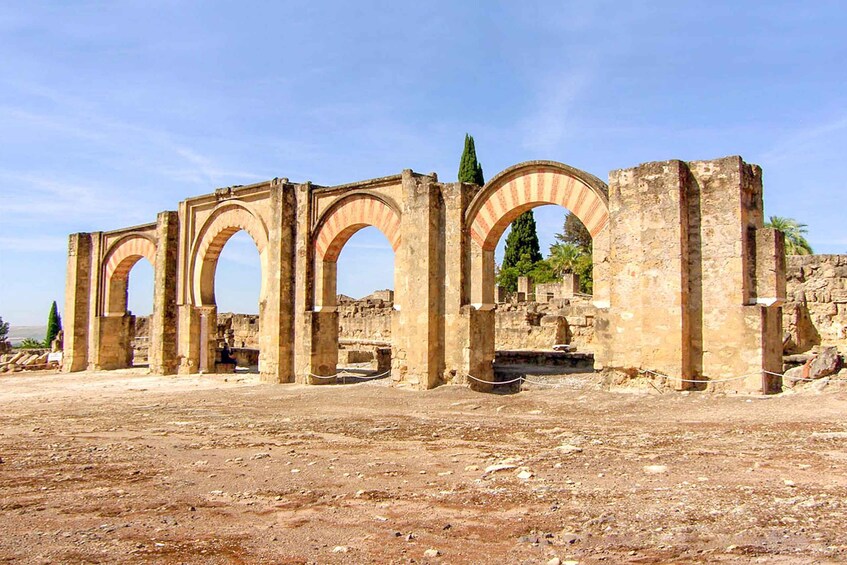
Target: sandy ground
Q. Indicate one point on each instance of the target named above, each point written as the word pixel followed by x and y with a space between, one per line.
pixel 125 467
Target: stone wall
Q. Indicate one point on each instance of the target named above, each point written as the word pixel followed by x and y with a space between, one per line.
pixel 239 330
pixel 521 325
pixel 815 310
pixel 368 318
pixel 535 325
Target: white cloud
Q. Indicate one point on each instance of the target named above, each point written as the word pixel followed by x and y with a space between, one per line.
pixel 806 140
pixel 551 120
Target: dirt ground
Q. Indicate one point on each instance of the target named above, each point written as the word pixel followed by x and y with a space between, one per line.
pixel 125 467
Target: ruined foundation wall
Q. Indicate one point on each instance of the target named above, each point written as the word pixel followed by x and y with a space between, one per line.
pixel 815 310
pixel 521 325
pixel 368 319
pixel 239 330
pixel 538 325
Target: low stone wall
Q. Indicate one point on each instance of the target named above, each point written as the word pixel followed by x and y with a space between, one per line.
pixel 535 325
pixel 519 325
pixel 815 311
pixel 239 330
pixel 369 318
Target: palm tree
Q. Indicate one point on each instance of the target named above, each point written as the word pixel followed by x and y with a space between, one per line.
pixel 564 257
pixel 795 242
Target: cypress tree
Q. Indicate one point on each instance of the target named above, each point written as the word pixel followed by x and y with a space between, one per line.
pixel 54 325
pixel 522 240
pixel 469 168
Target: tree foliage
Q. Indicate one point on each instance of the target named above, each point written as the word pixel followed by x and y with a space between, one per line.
pixel 469 168
pixel 575 232
pixel 794 231
pixel 29 343
pixel 539 271
pixel 522 240
pixel 54 325
pixel 563 257
pixel 4 329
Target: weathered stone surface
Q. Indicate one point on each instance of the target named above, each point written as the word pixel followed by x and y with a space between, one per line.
pixel 826 363
pixel 686 279
pixel 816 313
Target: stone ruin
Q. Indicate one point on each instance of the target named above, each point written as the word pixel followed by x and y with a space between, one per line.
pixel 687 281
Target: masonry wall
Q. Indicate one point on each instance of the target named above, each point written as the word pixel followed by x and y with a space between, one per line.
pixel 815 310
pixel 522 325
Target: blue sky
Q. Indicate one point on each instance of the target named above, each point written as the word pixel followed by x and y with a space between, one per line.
pixel 113 111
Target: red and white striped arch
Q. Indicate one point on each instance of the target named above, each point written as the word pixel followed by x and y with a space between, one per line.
pixel 227 219
pixel 119 260
pixel 524 187
pixel 126 253
pixel 348 217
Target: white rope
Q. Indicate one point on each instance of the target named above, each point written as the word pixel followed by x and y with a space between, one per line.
pixel 495 382
pixel 801 378
pixel 345 374
pixel 704 381
pixel 521 378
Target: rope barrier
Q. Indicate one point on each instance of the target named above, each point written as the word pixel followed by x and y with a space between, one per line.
pixel 345 374
pixel 648 371
pixel 705 381
pixel 521 378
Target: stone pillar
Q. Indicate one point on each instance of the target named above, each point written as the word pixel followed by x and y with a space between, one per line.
pixel 163 323
pixel 454 241
pixel 321 335
pixel 478 361
pixel 114 349
pixel 303 284
pixel 189 339
pixel 648 320
pixel 77 303
pixel 95 308
pixel 276 326
pixel 207 322
pixel 738 276
pixel 524 289
pixel 419 335
pixel 570 285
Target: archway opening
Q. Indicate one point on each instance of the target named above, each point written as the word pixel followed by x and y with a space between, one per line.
pixel 139 300
pixel 543 312
pixel 546 314
pixel 365 305
pixel 236 293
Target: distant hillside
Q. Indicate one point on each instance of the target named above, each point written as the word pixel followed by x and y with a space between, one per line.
pixel 19 333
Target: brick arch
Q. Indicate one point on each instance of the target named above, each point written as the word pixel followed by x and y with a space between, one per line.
pixel 225 221
pixel 348 216
pixel 535 183
pixel 118 262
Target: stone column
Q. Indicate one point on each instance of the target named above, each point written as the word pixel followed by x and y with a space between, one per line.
pixel 189 339
pixel 321 335
pixel 419 331
pixel 95 308
pixel 738 276
pixel 478 353
pixel 163 323
pixel 276 325
pixel 310 353
pixel 456 289
pixel 524 288
pixel 207 326
pixel 77 303
pixel 570 285
pixel 114 350
pixel 648 319
pixel 479 317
